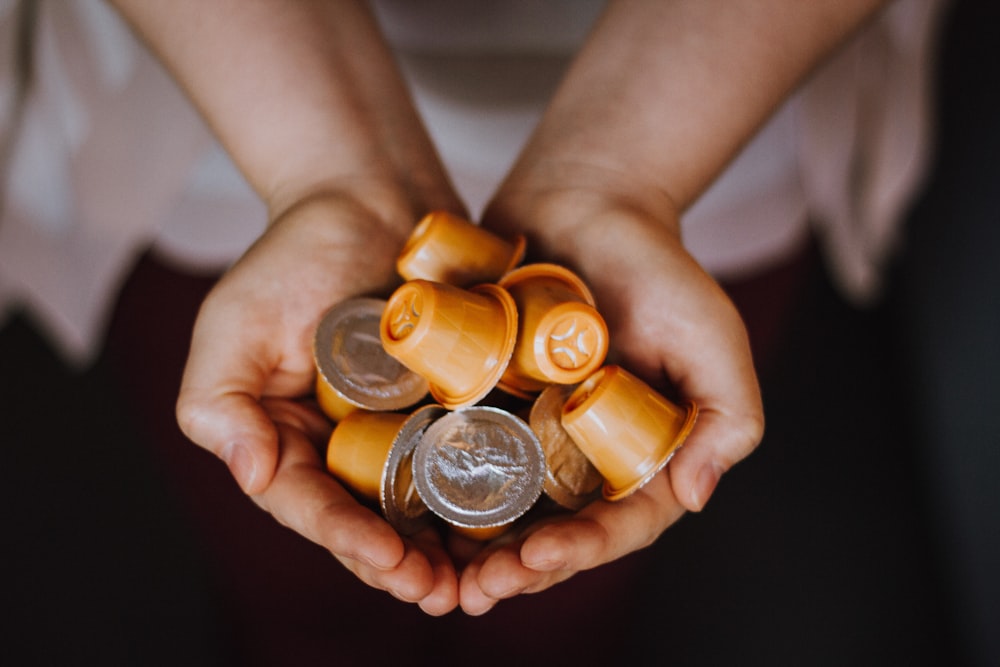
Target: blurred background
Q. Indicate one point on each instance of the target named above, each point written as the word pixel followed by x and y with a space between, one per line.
pixel 864 531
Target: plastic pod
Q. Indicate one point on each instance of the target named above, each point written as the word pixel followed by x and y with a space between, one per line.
pixel 626 429
pixel 459 340
pixel 481 534
pixel 359 447
pixel 448 249
pixel 479 469
pixel 372 454
pixel 571 480
pixel 561 338
pixel 354 372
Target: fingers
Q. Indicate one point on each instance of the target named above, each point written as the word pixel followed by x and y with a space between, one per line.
pixel 691 335
pixel 694 338
pixel 218 409
pixel 717 443
pixel 443 597
pixel 231 364
pixel 251 355
pixel 305 498
pixel 234 427
pixel 717 373
pixel 509 578
pixel 554 551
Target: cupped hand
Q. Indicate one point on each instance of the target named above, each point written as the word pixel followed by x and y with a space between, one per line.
pixel 671 324
pixel 250 370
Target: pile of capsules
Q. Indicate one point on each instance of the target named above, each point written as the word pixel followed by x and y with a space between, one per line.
pixel 468 322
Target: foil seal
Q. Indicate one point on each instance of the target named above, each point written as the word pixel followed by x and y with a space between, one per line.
pixel 351 361
pixel 571 480
pixel 479 467
pixel 401 503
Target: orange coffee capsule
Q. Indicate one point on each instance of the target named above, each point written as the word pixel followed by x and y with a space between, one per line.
pixel 459 340
pixel 626 429
pixel 372 454
pixel 561 338
pixel 359 447
pixel 353 370
pixel 448 249
pixel 481 534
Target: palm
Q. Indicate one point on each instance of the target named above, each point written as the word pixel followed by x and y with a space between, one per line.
pixel 670 323
pixel 251 370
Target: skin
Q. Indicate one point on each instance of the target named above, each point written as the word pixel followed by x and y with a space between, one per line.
pixel 600 187
pixel 331 142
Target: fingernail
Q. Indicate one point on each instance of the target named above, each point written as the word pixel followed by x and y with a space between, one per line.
pixel 378 561
pixel 546 565
pixel 241 464
pixel 704 485
pixel 399 596
pixel 480 612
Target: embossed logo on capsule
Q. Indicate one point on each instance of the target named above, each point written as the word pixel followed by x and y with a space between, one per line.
pixel 572 343
pixel 405 314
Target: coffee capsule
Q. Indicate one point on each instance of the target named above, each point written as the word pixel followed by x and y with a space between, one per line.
pixel 571 480
pixel 353 369
pixel 459 340
pixel 561 338
pixel 626 429
pixel 371 453
pixel 448 249
pixel 479 468
pixel 401 503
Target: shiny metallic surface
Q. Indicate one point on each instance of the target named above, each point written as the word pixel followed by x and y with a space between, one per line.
pixel 401 503
pixel 350 358
pixel 479 467
pixel 570 478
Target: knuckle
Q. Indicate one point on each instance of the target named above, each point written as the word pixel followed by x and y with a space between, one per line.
pixel 191 417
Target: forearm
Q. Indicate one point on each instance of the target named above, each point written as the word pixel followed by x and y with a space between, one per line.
pixel 305 96
pixel 664 94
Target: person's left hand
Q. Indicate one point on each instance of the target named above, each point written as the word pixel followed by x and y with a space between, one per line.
pixel 672 325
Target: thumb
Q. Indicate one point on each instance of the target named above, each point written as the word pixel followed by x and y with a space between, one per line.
pixel 218 406
pixel 717 442
pixel 234 427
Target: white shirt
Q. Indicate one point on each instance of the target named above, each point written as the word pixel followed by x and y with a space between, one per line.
pixel 110 158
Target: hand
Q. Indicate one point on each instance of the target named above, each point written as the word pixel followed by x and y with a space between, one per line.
pixel 669 323
pixel 251 367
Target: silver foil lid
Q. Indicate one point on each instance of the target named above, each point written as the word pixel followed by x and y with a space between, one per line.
pixel 350 358
pixel 400 500
pixel 570 478
pixel 479 467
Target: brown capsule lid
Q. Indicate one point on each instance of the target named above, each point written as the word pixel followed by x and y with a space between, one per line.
pixel 401 503
pixel 479 467
pixel 570 478
pixel 351 361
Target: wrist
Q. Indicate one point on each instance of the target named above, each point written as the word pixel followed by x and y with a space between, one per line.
pixel 554 203
pixel 395 206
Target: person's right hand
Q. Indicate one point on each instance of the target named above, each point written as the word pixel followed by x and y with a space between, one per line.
pixel 244 394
